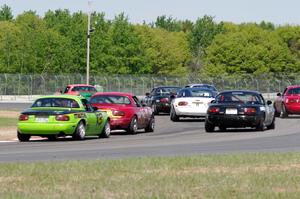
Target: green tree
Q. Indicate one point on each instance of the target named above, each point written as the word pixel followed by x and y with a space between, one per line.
pixel 249 49
pixel 6 13
pixel 201 36
pixel 167 53
pixel 9 44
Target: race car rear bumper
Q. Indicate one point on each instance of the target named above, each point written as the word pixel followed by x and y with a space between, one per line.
pixel 234 120
pixel 66 128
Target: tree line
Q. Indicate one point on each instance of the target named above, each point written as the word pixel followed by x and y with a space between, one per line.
pixel 56 43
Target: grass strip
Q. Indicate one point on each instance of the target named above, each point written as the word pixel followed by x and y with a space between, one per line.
pixel 8 122
pixel 258 175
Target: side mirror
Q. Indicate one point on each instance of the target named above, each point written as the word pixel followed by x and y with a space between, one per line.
pixel 147 94
pixel 213 101
pixel 269 102
pixel 278 94
pixel 95 108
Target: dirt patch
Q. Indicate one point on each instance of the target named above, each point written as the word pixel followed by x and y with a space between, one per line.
pixel 9 114
pixel 8 133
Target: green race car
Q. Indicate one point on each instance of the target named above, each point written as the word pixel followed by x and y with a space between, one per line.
pixel 62 115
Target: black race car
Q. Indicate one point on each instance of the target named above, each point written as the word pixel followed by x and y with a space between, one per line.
pixel 160 98
pixel 240 108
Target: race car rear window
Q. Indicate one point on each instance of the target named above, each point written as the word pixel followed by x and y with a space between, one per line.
pixel 294 91
pixel 166 90
pixel 84 88
pixel 110 99
pixel 200 93
pixel 239 97
pixel 56 102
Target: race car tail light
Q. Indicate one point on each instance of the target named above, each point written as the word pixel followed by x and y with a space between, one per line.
pixel 62 118
pixel 182 103
pixel 250 111
pixel 23 117
pixel 118 113
pixel 213 110
pixel 164 100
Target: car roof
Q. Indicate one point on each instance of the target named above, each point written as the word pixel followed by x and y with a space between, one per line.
pixel 294 86
pixel 191 85
pixel 87 85
pixel 167 87
pixel 114 93
pixel 75 97
pixel 197 88
pixel 246 91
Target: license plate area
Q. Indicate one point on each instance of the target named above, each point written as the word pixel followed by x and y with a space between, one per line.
pixel 231 111
pixel 41 119
pixel 197 104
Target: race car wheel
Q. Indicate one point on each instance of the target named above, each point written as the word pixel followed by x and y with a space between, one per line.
pixel 23 137
pixel 151 125
pixel 133 126
pixel 283 113
pixel 272 125
pixel 154 109
pixel 106 131
pixel 52 137
pixel 173 116
pixel 277 113
pixel 222 128
pixel 80 131
pixel 260 126
pixel 209 127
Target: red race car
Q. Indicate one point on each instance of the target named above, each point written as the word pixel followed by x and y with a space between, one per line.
pixel 125 111
pixel 288 102
pixel 84 90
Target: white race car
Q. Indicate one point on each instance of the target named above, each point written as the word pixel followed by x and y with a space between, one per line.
pixel 191 102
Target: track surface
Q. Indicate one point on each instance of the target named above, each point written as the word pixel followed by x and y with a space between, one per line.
pixel 186 137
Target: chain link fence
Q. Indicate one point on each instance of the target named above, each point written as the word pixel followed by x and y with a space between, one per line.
pixel 20 84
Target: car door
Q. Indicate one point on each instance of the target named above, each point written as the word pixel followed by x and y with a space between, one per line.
pixel 92 119
pixel 139 111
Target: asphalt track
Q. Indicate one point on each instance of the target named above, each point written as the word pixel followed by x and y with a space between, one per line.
pixel 186 137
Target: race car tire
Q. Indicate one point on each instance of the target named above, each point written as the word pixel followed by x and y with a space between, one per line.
pixel 23 137
pixel 151 125
pixel 209 127
pixel 222 128
pixel 106 131
pixel 79 133
pixel 155 109
pixel 284 113
pixel 272 125
pixel 52 137
pixel 173 116
pixel 260 126
pixel 133 126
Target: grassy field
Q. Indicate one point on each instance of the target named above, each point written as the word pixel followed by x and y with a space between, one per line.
pixel 216 176
pixel 8 122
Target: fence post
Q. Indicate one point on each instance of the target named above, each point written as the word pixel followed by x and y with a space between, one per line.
pixel 5 76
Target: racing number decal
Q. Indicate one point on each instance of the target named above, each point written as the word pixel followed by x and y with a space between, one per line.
pixel 99 118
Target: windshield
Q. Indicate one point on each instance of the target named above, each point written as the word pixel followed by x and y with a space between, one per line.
pixel 167 90
pixel 56 102
pixel 110 99
pixel 239 97
pixel 294 91
pixel 84 89
pixel 201 93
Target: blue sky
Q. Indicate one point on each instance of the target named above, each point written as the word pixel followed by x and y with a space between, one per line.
pixel 279 12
